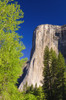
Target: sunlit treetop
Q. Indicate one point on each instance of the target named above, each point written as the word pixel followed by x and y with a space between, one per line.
pixel 9 14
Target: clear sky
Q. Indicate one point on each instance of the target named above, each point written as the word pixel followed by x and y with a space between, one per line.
pixel 38 12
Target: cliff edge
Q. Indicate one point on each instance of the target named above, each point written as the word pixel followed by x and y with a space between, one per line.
pixel 53 36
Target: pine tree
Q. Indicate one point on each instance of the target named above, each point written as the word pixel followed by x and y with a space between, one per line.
pixel 53 72
pixel 46 74
pixel 60 77
pixel 40 95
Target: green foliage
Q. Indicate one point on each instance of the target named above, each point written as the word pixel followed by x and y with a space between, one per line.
pixel 8 16
pixel 46 73
pixel 60 77
pixel 10 49
pixel 53 72
pixel 29 97
pixel 37 92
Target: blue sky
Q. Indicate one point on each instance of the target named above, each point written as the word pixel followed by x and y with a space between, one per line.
pixel 37 12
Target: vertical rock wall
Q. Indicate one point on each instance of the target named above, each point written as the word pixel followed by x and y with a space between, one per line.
pixel 44 35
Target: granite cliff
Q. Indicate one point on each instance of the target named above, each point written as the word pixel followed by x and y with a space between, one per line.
pixel 44 35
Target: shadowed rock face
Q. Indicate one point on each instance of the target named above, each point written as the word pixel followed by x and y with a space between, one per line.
pixel 63 41
pixel 52 36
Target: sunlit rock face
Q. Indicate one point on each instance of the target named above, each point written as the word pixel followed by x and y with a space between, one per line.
pixel 53 36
